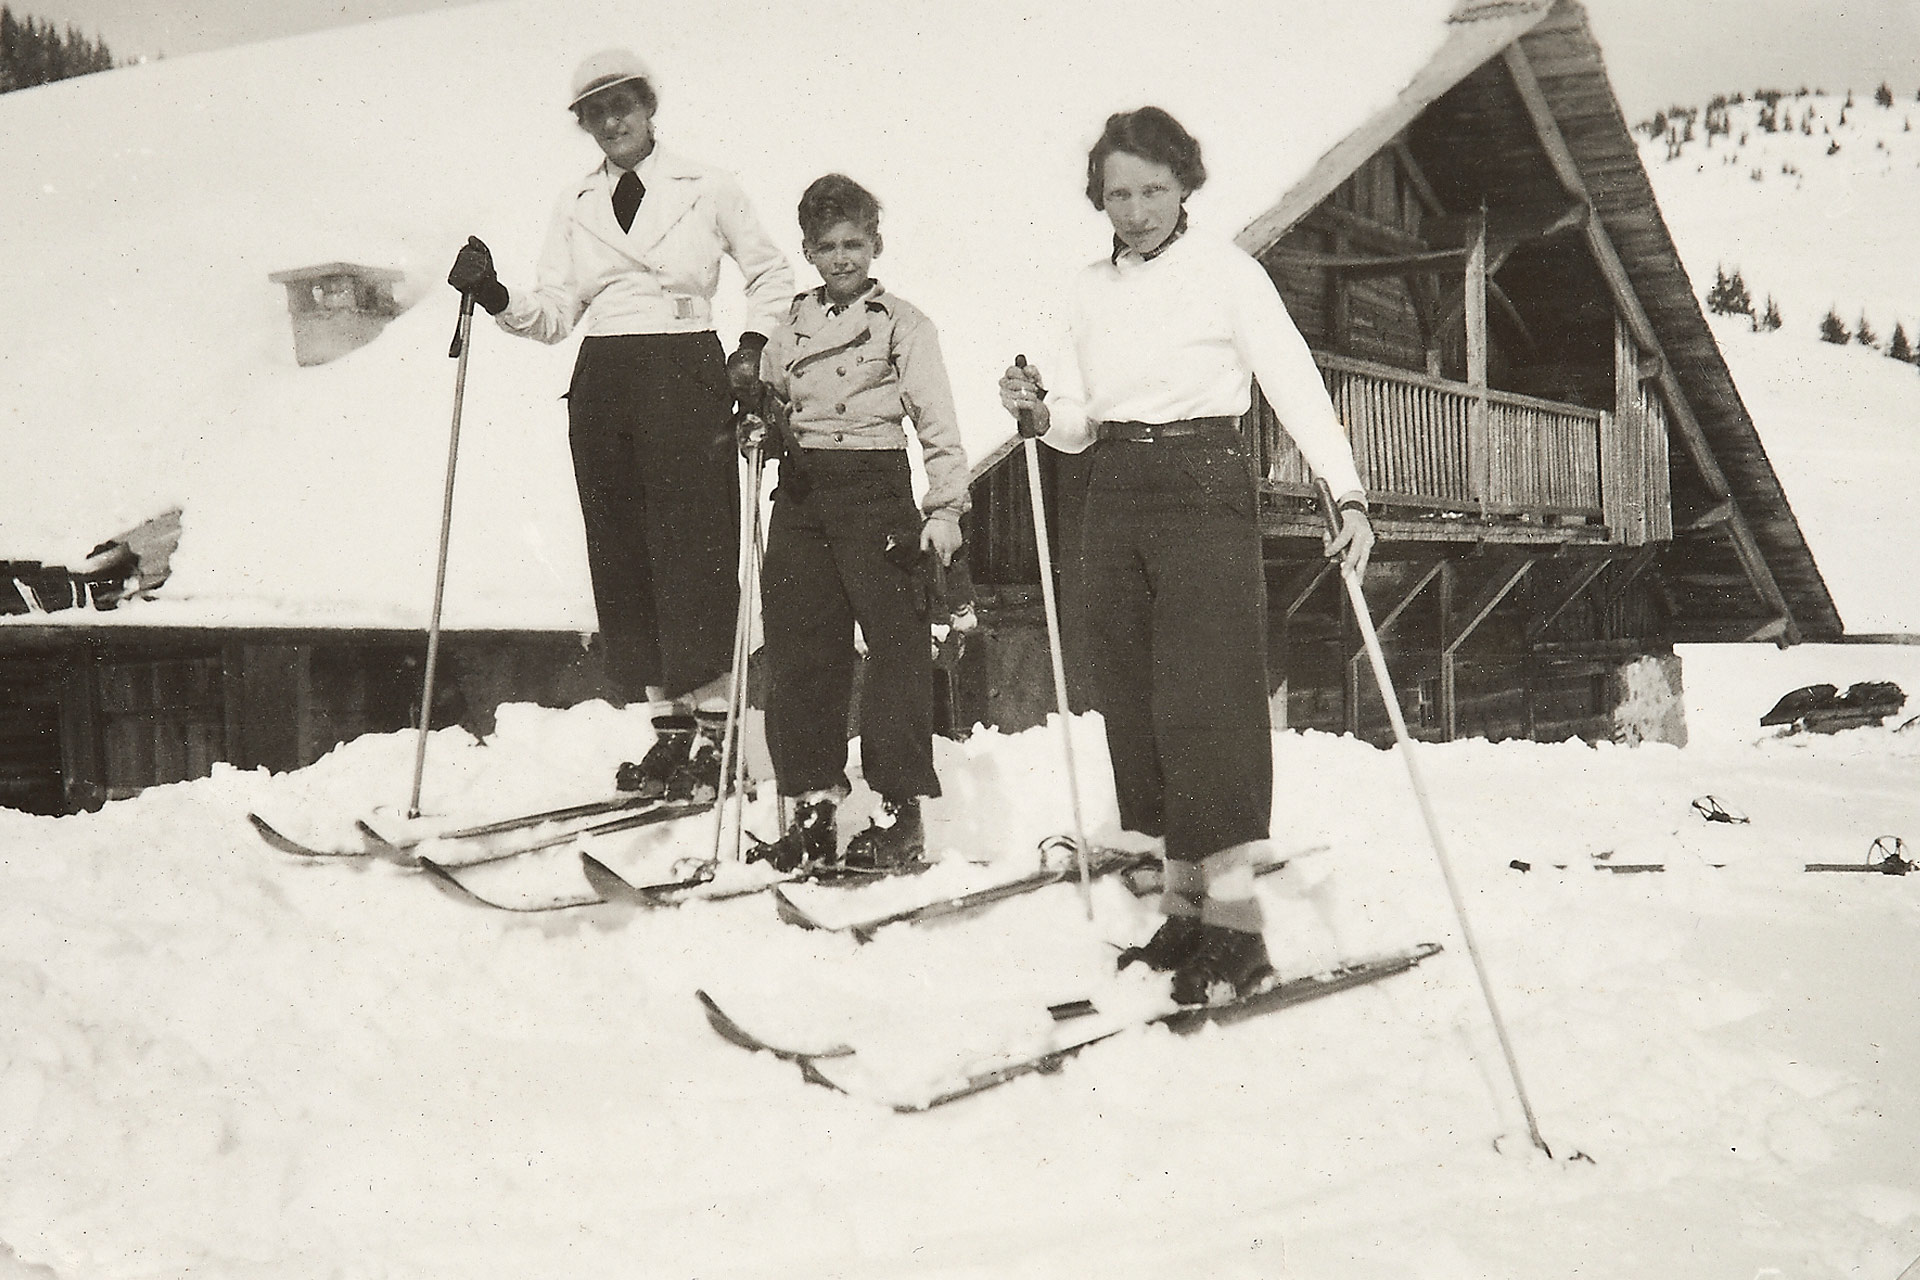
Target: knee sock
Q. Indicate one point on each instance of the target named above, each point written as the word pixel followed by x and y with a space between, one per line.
pixel 1229 901
pixel 1184 887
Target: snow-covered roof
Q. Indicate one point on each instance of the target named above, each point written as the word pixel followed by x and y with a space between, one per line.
pixel 146 359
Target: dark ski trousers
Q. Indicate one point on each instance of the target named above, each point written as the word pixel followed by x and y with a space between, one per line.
pixel 1176 602
pixel 827 568
pixel 650 424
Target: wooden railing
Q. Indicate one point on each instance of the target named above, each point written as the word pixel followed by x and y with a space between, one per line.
pixel 1428 442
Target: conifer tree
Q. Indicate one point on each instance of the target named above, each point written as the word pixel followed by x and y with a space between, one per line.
pixel 1769 320
pixel 1833 329
pixel 1883 95
pixel 1729 296
pixel 1898 347
pixel 1864 335
pixel 34 52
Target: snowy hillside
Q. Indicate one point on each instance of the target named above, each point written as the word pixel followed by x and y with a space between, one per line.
pixel 1818 216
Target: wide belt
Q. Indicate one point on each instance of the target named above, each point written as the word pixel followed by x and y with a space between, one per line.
pixel 1154 432
pixel 653 313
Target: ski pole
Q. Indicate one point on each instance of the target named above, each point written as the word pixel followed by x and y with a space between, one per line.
pixel 737 683
pixel 751 589
pixel 1043 548
pixel 462 331
pixel 1371 639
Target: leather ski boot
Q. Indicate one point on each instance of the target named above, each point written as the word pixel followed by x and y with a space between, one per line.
pixel 811 839
pixel 1227 965
pixel 1177 938
pixel 699 777
pixel 897 840
pixel 671 749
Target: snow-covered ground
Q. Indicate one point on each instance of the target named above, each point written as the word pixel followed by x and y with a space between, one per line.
pixel 222 1061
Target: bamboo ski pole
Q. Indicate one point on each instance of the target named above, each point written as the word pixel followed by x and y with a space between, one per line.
pixel 462 332
pixel 1043 548
pixel 1363 616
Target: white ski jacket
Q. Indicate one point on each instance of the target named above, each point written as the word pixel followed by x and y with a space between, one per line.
pixel 660 276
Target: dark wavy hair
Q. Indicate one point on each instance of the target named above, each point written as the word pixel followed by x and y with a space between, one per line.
pixel 838 198
pixel 1151 134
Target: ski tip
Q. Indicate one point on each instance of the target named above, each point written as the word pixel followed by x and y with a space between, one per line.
pixel 276 839
pixel 438 871
pixel 725 1026
pixel 606 882
pixel 790 911
pixel 381 847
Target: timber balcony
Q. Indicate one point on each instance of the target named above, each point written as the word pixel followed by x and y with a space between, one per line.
pixel 1449 461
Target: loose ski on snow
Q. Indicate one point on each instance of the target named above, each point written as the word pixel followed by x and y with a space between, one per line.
pixel 653 812
pixel 442 875
pixel 375 844
pixel 614 887
pixel 1101 862
pixel 836 1067
pixel 1887 857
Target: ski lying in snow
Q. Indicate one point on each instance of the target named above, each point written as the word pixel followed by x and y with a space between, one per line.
pixel 442 875
pixel 1887 856
pixel 278 839
pixel 1102 862
pixel 837 1067
pixel 654 811
pixel 508 825
pixel 730 1030
pixel 614 887
pixel 375 844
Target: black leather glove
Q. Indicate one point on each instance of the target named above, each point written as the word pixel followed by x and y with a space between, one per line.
pixel 743 366
pixel 472 272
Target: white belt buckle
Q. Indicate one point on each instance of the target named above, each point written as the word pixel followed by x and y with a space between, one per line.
pixel 682 308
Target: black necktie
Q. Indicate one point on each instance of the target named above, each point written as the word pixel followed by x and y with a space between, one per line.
pixel 626 198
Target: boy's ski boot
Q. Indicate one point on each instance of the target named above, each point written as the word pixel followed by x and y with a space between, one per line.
pixel 811 839
pixel 672 748
pixel 699 777
pixel 897 840
pixel 1226 965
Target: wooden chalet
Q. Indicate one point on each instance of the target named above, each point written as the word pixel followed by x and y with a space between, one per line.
pixel 1565 481
pixel 91 713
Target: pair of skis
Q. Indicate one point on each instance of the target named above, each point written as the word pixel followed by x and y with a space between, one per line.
pixel 838 1066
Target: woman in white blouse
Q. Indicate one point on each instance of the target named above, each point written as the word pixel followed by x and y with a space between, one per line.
pixel 1169 329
